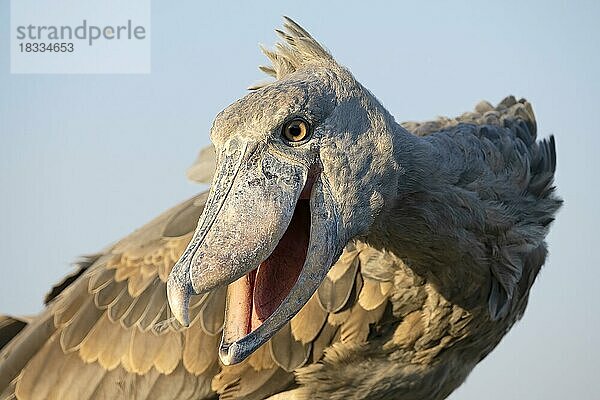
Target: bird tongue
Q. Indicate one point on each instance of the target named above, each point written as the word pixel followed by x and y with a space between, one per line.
pixel 255 296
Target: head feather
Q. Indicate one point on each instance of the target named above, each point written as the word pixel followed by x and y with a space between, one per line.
pixel 296 50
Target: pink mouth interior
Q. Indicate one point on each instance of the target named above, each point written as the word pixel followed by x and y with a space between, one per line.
pixel 257 295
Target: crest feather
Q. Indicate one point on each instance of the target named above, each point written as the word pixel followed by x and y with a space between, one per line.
pixel 296 49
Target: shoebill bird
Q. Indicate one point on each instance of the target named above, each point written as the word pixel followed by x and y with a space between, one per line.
pixel 338 254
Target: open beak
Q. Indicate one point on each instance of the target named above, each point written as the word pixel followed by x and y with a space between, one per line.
pixel 270 231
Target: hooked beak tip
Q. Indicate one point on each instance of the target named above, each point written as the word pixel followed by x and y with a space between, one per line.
pixel 229 353
pixel 178 294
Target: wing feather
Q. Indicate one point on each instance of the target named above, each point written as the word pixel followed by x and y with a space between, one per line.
pixel 288 353
pixel 154 308
pixel 143 350
pixel 169 387
pixel 109 294
pixel 326 337
pixel 124 329
pixel 137 283
pixel 169 353
pixel 188 386
pixel 74 332
pixel 262 358
pixel 69 302
pixel 9 392
pixel 337 286
pixel 75 382
pixel 212 314
pixel 140 305
pixel 307 324
pixel 104 345
pixel 199 350
pixel 356 328
pixel 118 309
pixel 371 296
pixel 243 382
pixel 42 372
pixel 100 279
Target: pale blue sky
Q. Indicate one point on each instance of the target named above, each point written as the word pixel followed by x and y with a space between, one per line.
pixel 85 159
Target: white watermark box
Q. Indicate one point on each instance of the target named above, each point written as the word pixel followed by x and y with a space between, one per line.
pixel 79 36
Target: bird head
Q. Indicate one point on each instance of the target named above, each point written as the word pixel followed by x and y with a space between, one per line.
pixel 303 167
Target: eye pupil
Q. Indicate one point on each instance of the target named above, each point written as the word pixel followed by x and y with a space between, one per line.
pixel 295 130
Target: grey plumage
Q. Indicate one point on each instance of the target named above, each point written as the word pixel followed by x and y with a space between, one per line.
pixel 440 229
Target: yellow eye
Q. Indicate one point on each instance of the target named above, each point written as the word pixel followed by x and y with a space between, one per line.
pixel 295 130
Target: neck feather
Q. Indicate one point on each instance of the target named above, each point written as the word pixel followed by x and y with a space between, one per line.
pixel 431 221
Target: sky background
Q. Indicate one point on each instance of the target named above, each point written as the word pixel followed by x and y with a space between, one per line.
pixel 85 159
